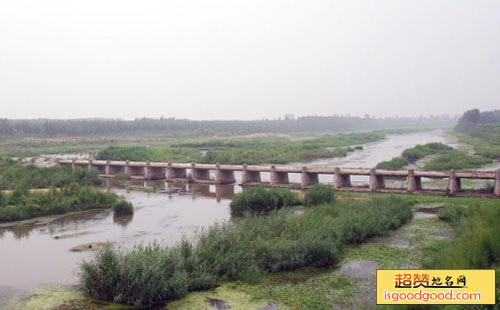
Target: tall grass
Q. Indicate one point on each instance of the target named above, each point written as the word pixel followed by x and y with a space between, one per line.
pixel 242 250
pixel 21 205
pixel 319 194
pixel 477 246
pixel 14 175
pixel 259 199
pixel 455 160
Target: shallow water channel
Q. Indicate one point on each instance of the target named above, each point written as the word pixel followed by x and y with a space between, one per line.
pixel 39 252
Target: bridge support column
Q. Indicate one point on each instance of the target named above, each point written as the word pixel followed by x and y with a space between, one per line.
pixel 147 171
pixel 249 176
pixel 89 166
pixel 278 177
pixel 496 191
pixel 200 175
pixel 341 180
pixel 223 176
pixel 414 183
pixel 455 184
pixel 73 165
pixel 376 181
pixel 127 167
pixel 107 170
pixel 175 173
pixel 307 179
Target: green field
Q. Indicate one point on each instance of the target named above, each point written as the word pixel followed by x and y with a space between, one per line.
pixel 244 150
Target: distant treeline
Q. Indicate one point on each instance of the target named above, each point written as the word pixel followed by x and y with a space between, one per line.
pixel 472 119
pixel 76 127
pixel 482 131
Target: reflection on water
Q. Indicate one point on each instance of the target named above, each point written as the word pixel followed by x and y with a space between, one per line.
pixel 123 220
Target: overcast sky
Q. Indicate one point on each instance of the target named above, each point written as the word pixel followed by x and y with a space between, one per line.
pixel 255 59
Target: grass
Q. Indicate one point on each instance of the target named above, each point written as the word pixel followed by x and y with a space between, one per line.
pixel 14 175
pixel 319 194
pixel 123 207
pixel 445 158
pixel 477 245
pixel 243 250
pixel 455 160
pixel 260 200
pixel 413 154
pixel 303 291
pixel 485 139
pixel 21 205
pixel 239 151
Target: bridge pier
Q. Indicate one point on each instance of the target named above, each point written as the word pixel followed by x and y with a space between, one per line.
pixel 147 171
pixel 175 173
pixel 455 184
pixel 89 165
pixel 200 175
pixel 249 176
pixel 341 180
pixel 223 176
pixel 414 183
pixel 496 190
pixel 127 167
pixel 278 177
pixel 73 164
pixel 376 181
pixel 107 169
pixel 307 178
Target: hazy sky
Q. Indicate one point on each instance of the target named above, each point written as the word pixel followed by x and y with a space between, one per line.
pixel 247 59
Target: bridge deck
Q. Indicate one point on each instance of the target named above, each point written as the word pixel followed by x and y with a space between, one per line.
pixel 486 175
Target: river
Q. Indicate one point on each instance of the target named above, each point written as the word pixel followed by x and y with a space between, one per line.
pixel 39 253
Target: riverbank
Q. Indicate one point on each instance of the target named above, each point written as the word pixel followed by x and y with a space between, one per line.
pixel 349 284
pixel 434 156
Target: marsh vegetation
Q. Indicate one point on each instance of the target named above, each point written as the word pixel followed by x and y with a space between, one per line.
pixel 443 157
pixel 15 175
pixel 239 151
pixel 243 250
pixel 21 205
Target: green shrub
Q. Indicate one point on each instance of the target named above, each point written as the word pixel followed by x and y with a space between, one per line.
pixel 455 160
pixel 319 194
pixel 451 213
pixel 413 154
pixel 123 207
pixel 242 250
pixel 21 205
pixel 477 245
pixel 16 175
pixel 259 199
pixel 393 164
pixel 144 276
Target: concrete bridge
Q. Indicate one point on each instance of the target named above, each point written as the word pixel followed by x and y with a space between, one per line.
pixel 251 175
